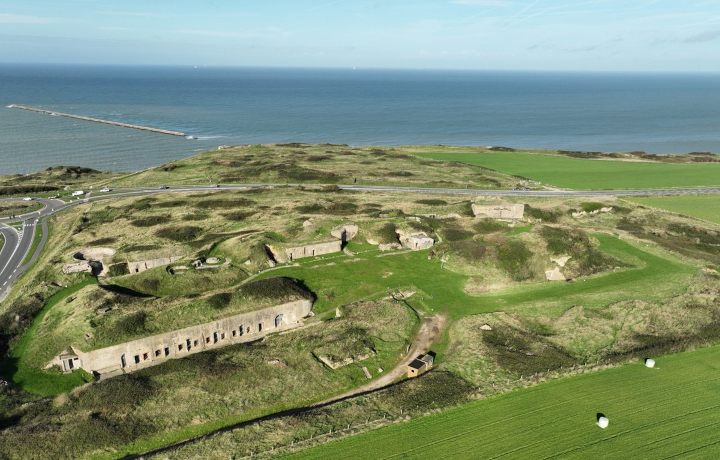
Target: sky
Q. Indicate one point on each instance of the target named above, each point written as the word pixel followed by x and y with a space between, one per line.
pixel 553 35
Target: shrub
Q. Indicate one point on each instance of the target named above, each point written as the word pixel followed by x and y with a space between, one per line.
pixel 456 234
pixel 485 226
pixel 546 215
pixel 103 241
pixel 195 217
pixel 513 257
pixel 319 158
pixel 143 204
pixel 150 221
pixel 224 203
pixel 171 204
pixel 432 202
pixel 181 234
pixel 591 206
pixel 132 324
pixel 386 234
pixel 469 250
pixel 118 269
pixel 238 215
pixel 220 301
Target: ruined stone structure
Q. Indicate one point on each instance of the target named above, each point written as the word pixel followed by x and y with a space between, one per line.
pixel 415 241
pixel 142 265
pixel 499 211
pixel 149 351
pixel 282 255
pixel 345 232
pixel 80 267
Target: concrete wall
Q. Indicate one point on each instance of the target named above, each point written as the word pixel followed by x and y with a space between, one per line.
pixel 499 211
pixel 149 351
pixel 80 267
pixel 417 242
pixel 142 265
pixel 282 255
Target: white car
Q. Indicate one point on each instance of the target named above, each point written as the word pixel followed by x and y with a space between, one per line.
pixel 27 198
pixel 106 189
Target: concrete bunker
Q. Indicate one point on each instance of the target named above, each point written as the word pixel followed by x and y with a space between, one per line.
pixel 138 354
pixel 499 211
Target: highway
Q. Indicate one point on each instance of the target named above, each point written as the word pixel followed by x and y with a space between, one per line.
pixel 17 244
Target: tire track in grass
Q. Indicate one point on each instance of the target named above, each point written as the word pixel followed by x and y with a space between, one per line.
pixel 501 421
pixel 694 450
pixel 541 441
pixel 654 443
pixel 624 432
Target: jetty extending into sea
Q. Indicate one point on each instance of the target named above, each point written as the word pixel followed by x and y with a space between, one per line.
pixel 99 120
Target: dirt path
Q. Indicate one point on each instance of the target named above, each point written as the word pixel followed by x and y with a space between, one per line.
pixel 429 331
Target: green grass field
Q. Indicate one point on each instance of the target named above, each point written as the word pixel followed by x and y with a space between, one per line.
pixel 706 207
pixel 584 174
pixel 341 280
pixel 667 412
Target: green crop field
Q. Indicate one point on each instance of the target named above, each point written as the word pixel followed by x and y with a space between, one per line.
pixel 667 412
pixel 585 174
pixel 706 207
pixel 341 280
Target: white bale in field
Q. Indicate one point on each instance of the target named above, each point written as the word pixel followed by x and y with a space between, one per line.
pixel 603 422
pixel 649 362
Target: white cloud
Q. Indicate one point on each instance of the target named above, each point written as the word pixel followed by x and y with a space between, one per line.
pixel 9 18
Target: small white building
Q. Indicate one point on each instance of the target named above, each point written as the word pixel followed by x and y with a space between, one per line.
pixel 78 193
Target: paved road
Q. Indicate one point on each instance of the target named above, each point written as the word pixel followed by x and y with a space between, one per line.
pixel 17 244
pixel 10 261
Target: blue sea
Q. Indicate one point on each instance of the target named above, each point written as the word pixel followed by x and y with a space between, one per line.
pixel 660 113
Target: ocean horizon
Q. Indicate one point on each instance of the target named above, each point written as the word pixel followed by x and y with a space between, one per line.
pixel 611 112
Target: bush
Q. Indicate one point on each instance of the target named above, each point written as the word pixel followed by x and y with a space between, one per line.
pixel 103 241
pixel 513 257
pixel 469 250
pixel 238 215
pixel 143 204
pixel 220 301
pixel 591 206
pixel 386 234
pixel 181 234
pixel 485 226
pixel 26 189
pixel 274 288
pixel 432 202
pixel 118 269
pixel 132 324
pixel 546 215
pixel 224 203
pixel 150 221
pixel 456 234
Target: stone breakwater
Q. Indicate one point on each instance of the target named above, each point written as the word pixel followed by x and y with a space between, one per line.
pixel 98 120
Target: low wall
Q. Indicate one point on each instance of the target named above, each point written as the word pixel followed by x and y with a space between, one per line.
pixel 499 211
pixel 149 351
pixel 310 250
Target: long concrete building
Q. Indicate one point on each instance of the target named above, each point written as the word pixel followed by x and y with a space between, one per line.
pixel 149 351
